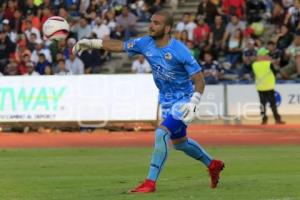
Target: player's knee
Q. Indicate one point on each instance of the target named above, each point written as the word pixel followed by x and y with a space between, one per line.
pixel 180 146
pixel 176 127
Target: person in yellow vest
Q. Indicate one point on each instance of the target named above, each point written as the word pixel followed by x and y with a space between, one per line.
pixel 265 78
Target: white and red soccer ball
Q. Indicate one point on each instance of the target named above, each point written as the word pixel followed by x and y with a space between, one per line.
pixel 56 28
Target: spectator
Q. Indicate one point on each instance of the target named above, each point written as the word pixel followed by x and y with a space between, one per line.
pixel 47 4
pixel 275 54
pixel 105 5
pixel 83 30
pixel 283 38
pixel 9 10
pixel 7 47
pixel 127 21
pixel 31 42
pixel 201 32
pixel 75 65
pixel 253 9
pixel 84 5
pixel 231 28
pixel 30 29
pixel 101 29
pixel 293 15
pixel 211 69
pixel 118 33
pixel 111 20
pixel 186 24
pixel 30 70
pixel 184 38
pixel 139 9
pixel 30 7
pixel 60 46
pixel 91 60
pixel 153 6
pixel 36 22
pixel 235 48
pixel 278 14
pixel 209 10
pixel 46 13
pixel 216 35
pixel 64 14
pixel 38 50
pixel 292 69
pixel 22 68
pixel 93 6
pixel 7 29
pixel 21 50
pixel 41 64
pixel 249 56
pixel 48 70
pixel 11 69
pixel 140 65
pixel 17 22
pixel 61 66
pixel 234 7
pixel 286 3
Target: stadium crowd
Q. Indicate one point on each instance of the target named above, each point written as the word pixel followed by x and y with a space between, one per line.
pixel 224 35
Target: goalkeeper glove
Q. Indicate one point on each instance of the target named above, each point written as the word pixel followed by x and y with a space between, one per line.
pixel 86 44
pixel 189 109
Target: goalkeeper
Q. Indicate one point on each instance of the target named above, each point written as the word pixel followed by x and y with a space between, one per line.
pixel 179 79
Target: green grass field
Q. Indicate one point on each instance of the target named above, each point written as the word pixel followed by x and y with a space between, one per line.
pixel 258 173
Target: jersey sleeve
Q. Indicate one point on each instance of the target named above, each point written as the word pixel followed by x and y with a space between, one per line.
pixel 135 46
pixel 190 63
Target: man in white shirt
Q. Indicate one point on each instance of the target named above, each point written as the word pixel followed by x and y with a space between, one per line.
pixel 74 65
pixel 140 65
pixel 186 24
pixel 38 50
pixel 30 69
pixel 30 29
pixel 83 29
pixel 101 29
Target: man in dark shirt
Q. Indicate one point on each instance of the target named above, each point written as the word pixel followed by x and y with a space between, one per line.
pixel 216 35
pixel 6 48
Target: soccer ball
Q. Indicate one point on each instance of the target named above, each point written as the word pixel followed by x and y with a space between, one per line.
pixel 56 28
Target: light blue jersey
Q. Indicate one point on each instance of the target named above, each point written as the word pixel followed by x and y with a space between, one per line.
pixel 172 66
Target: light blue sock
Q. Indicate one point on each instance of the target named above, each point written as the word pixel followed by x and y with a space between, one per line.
pixel 160 153
pixel 194 150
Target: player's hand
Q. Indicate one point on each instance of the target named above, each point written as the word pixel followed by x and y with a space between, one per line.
pixel 189 109
pixel 86 44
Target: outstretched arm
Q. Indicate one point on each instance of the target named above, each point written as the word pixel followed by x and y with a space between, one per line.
pixel 113 45
pixel 108 45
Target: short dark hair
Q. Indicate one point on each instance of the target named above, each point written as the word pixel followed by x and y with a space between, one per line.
pixel 61 60
pixel 271 43
pixel 168 16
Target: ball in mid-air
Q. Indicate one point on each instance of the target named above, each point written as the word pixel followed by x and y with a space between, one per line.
pixel 56 28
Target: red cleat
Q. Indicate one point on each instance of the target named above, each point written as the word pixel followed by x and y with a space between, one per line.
pixel 146 187
pixel 215 168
